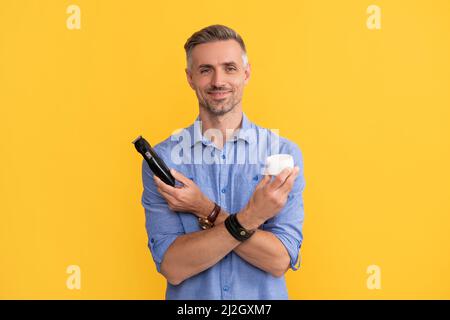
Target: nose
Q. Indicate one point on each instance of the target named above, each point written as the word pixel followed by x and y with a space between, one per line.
pixel 218 79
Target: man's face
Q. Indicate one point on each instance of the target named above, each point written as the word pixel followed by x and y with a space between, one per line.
pixel 218 75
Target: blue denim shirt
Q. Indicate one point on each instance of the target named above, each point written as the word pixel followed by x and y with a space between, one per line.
pixel 227 176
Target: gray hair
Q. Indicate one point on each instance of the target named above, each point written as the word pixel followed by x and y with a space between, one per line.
pixel 213 33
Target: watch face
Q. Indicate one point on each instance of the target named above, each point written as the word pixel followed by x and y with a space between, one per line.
pixel 205 223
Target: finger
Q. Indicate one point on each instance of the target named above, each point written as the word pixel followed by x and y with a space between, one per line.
pixel 178 176
pixel 169 197
pixel 163 186
pixel 289 183
pixel 280 178
pixel 263 181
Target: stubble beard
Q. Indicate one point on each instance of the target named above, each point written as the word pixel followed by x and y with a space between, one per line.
pixel 221 108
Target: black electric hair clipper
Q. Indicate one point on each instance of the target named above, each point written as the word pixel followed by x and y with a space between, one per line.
pixel 155 163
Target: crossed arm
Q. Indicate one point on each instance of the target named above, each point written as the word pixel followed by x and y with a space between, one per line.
pixel 195 252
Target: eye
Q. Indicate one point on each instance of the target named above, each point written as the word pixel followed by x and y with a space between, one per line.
pixel 204 71
pixel 230 69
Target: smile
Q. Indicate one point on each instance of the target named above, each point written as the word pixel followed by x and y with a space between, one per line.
pixel 218 95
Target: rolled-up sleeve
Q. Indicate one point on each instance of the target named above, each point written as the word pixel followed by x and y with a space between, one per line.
pixel 287 225
pixel 162 224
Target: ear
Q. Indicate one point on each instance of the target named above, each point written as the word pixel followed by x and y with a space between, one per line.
pixel 189 78
pixel 247 72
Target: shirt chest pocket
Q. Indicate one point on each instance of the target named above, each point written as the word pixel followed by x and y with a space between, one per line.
pixel 243 188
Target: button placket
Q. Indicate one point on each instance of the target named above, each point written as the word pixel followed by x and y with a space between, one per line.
pixel 225 197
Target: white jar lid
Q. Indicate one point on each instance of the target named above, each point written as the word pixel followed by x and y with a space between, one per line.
pixel 277 162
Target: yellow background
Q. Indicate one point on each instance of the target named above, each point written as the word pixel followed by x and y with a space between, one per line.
pixel 370 110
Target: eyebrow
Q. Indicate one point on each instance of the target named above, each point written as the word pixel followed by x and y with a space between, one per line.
pixel 230 63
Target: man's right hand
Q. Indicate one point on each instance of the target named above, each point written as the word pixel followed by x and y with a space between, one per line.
pixel 268 198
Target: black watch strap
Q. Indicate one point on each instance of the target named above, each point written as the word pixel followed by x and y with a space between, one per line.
pixel 236 229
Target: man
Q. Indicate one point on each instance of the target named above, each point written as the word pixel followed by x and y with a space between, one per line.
pixel 225 231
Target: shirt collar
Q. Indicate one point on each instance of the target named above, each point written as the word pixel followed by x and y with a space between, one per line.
pixel 195 131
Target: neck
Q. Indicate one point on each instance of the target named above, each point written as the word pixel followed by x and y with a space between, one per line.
pixel 230 122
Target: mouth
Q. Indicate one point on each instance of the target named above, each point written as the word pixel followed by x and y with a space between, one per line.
pixel 219 94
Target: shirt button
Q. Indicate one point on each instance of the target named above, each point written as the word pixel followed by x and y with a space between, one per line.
pixel 255 178
pixel 224 190
pixel 152 240
pixel 226 288
pixel 223 156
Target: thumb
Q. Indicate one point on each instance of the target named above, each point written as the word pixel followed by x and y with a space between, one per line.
pixel 178 176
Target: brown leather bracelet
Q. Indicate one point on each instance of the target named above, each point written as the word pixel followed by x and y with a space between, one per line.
pixel 208 222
